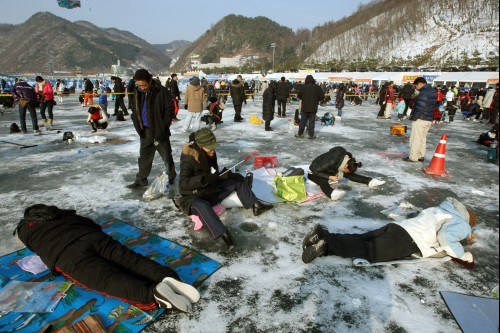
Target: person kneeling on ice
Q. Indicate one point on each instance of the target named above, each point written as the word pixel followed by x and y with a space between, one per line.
pixel 334 165
pixel 76 247
pixel 202 185
pixel 434 232
pixel 97 118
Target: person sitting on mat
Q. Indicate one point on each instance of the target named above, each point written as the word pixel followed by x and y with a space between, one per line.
pixel 435 231
pixel 76 247
pixel 332 166
pixel 202 185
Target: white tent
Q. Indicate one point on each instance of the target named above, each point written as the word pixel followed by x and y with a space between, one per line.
pixel 468 79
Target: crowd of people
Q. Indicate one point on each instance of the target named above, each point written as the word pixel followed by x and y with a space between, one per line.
pixel 202 184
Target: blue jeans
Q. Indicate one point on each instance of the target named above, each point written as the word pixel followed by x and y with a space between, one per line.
pixel 22 117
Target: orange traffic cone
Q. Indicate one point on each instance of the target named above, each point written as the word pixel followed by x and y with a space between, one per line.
pixel 436 167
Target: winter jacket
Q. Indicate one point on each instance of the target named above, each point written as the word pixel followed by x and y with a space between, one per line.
pixel 118 87
pixel 450 96
pixel 89 87
pixel 196 179
pixel 174 89
pixel 237 93
pixel 400 107
pixel 311 95
pixel 441 228
pixel 424 104
pixel 268 102
pixel 47 91
pixel 48 230
pixel 99 116
pixel 331 163
pixel 382 95
pixel 23 91
pixel 103 99
pixel 488 98
pixel 282 91
pixel 390 94
pixel 408 91
pixel 339 99
pixel 494 104
pixel 195 98
pixel 160 111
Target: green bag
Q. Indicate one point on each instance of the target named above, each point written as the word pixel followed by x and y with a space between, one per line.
pixel 291 188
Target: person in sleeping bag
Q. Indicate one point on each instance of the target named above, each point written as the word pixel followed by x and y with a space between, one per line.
pixel 434 232
pixel 76 247
pixel 328 168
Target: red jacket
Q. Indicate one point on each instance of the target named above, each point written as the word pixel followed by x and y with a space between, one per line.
pixel 48 92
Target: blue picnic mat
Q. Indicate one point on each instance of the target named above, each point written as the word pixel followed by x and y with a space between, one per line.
pixel 115 315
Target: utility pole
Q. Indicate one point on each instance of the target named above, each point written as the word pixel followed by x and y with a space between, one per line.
pixel 273 45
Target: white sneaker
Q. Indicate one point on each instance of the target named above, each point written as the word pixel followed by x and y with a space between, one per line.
pixel 337 194
pixel 183 289
pixel 375 182
pixel 166 298
pixel 37 132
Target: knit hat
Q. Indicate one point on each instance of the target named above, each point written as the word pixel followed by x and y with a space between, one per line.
pixel 205 139
pixel 195 81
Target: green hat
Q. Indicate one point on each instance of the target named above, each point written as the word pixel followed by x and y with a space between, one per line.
pixel 205 139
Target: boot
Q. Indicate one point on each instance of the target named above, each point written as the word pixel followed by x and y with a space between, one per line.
pixel 259 207
pixel 49 124
pixel 229 240
pixel 44 121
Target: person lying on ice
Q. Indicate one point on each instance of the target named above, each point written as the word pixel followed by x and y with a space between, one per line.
pixel 76 247
pixel 433 231
pixel 332 166
pixel 202 185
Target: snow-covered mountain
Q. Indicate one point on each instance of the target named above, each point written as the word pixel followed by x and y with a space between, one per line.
pixel 421 31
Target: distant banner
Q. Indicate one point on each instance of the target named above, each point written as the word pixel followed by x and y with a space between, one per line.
pixel 492 81
pixel 409 78
pixel 363 80
pixel 339 79
pixel 307 71
pixel 430 78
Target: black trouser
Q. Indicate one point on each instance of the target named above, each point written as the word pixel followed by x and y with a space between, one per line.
pixel 147 153
pixel 307 119
pixel 96 125
pixel 102 264
pixel 321 182
pixel 22 117
pixel 281 107
pixel 267 124
pixel 237 109
pixel 119 103
pixel 202 207
pixel 354 177
pixel 407 105
pixel 49 106
pixel 381 113
pixel 388 243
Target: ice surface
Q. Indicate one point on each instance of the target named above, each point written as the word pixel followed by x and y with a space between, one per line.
pixel 264 286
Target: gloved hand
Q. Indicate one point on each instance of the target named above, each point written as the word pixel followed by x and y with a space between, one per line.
pixel 185 106
pixel 375 182
pixel 212 178
pixel 223 175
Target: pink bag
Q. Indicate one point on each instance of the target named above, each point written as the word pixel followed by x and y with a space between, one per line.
pixel 218 209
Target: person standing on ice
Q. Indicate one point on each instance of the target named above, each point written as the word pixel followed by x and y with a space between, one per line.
pixel 238 96
pixel 194 101
pixel 119 91
pixel 310 95
pixel 330 167
pixel 435 231
pixel 421 116
pixel 202 185
pixel 282 95
pixel 268 104
pixel 152 115
pixel 46 92
pixel 25 95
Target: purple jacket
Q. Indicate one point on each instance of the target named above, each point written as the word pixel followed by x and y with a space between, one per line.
pixel 22 90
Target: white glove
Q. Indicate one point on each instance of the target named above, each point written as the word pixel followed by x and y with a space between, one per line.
pixel 337 194
pixel 467 257
pixel 375 182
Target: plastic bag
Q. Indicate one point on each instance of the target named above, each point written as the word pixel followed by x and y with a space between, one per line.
pixel 158 188
pixel 255 120
pixel 292 188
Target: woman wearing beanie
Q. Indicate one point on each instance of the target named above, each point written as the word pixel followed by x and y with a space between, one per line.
pixel 194 103
pixel 330 167
pixel 202 185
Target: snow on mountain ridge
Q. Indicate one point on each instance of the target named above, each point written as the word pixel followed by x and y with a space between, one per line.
pixel 441 31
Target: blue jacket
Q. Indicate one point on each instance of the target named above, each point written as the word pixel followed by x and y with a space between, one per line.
pixel 103 99
pixel 424 104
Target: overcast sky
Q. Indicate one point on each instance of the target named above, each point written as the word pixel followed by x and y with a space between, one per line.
pixel 163 21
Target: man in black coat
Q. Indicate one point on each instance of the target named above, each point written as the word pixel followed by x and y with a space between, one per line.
pixel 152 117
pixel 201 189
pixel 238 96
pixel 282 94
pixel 268 102
pixel 119 91
pixel 76 247
pixel 176 94
pixel 311 95
pixel 25 95
pixel 407 93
